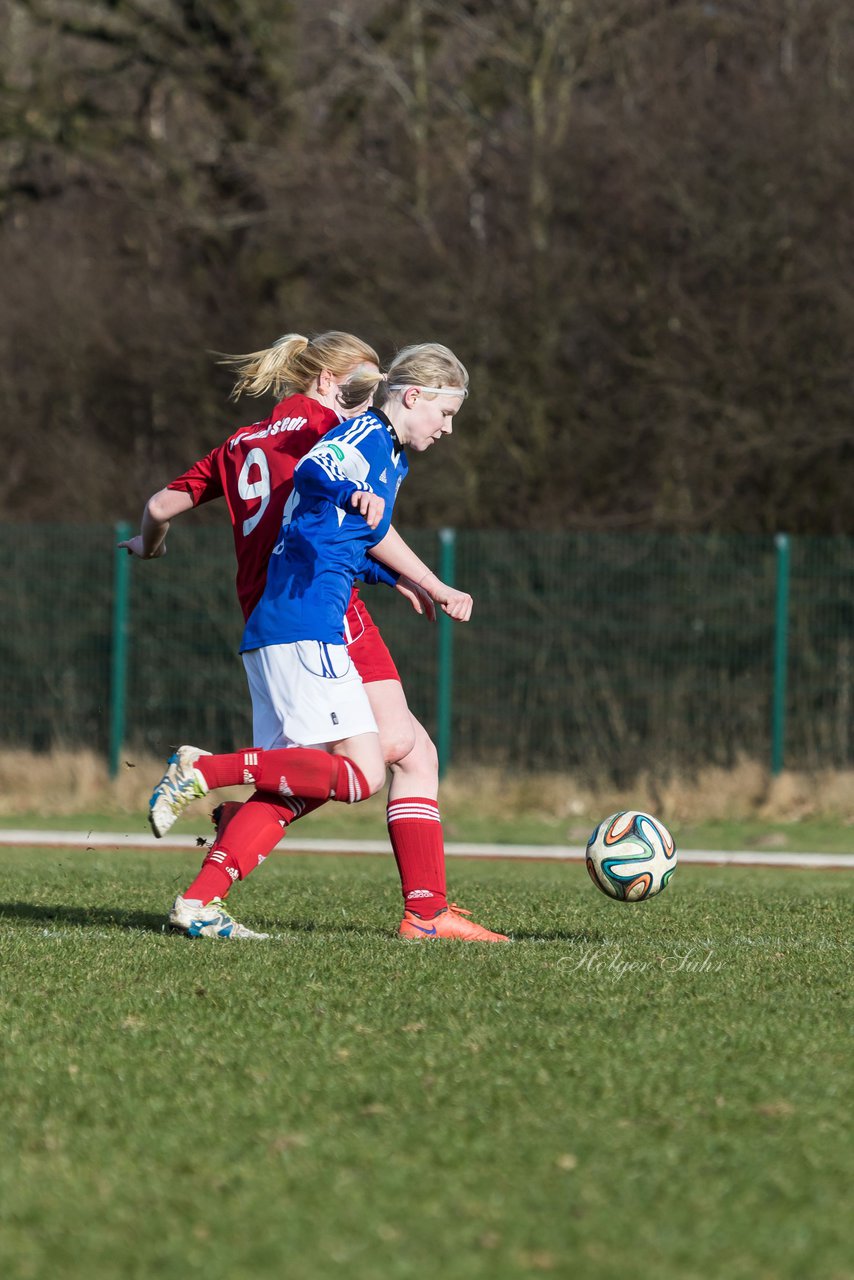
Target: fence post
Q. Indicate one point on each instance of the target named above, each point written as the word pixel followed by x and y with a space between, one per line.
pixel 781 654
pixel 445 674
pixel 119 647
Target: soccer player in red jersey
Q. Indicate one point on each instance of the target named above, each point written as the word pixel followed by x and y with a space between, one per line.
pixel 253 471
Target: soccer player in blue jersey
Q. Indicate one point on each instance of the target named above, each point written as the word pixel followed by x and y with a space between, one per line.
pixel 311 713
pixel 252 472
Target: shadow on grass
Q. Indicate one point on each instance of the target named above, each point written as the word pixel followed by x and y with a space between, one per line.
pixel 69 916
pixel 558 935
pixel 86 917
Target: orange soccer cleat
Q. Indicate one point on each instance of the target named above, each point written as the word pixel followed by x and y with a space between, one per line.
pixel 450 923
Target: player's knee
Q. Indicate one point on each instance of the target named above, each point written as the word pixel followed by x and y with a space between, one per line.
pixel 425 749
pixel 398 745
pixel 422 756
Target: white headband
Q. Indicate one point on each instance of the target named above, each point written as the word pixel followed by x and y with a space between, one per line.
pixel 447 391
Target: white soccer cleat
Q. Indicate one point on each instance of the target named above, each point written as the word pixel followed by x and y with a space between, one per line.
pixel 179 785
pixel 211 921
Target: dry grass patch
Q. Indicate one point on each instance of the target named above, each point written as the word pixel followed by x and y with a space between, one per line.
pixel 68 782
pixel 746 791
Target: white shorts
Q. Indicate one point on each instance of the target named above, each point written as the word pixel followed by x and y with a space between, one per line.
pixel 305 694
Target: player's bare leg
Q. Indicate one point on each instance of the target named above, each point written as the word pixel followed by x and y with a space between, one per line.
pixel 414 824
pixel 396 725
pixel 364 751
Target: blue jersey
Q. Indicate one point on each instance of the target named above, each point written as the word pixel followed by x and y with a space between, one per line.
pixel 325 543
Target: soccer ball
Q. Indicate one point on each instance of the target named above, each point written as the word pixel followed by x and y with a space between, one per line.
pixel 631 856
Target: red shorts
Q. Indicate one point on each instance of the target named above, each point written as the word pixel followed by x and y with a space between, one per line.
pixel 365 645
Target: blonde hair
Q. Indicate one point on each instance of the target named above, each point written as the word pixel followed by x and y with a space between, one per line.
pixel 426 365
pixel 293 362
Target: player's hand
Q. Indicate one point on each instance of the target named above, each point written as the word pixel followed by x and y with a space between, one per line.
pixel 134 547
pixel 417 597
pixel 369 505
pixel 456 604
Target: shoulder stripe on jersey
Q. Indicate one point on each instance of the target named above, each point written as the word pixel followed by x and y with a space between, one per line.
pixel 327 464
pixel 360 430
pixel 365 420
pixel 335 473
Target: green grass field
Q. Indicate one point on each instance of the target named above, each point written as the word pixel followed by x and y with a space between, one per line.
pixel 657 1091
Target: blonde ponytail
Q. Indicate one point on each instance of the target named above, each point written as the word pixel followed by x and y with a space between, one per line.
pixel 293 362
pixel 361 386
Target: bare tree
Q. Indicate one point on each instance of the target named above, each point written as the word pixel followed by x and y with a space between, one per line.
pixel 632 220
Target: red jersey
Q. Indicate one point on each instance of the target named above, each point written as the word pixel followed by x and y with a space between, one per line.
pixel 253 470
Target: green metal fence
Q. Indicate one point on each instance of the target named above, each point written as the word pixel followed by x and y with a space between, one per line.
pixel 601 652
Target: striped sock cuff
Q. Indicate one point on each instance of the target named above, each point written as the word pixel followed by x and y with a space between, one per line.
pixel 350 776
pixel 296 806
pixel 412 809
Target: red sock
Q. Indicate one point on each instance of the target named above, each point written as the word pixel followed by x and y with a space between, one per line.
pixel 288 771
pixel 246 834
pixel 415 831
pixel 213 881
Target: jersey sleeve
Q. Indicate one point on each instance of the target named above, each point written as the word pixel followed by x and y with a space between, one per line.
pixel 202 481
pixel 373 572
pixel 333 470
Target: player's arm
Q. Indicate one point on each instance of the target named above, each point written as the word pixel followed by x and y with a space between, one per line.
pixel 161 508
pixel 395 553
pixel 330 474
pixel 199 483
pixel 374 571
